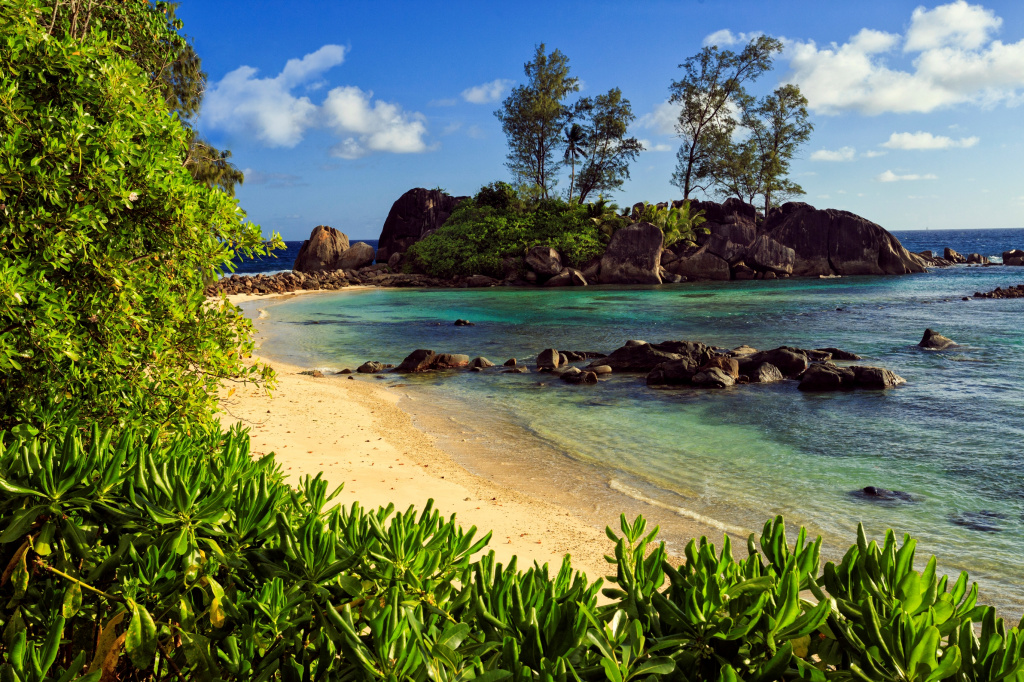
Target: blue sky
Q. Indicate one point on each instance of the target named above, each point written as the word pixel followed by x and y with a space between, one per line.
pixel 336 108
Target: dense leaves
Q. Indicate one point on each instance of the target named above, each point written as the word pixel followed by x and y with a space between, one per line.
pixel 497 225
pixel 107 240
pixel 127 557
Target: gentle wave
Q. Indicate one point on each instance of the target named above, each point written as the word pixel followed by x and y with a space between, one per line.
pixel 635 494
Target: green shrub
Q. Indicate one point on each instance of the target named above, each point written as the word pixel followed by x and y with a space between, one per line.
pixel 498 224
pixel 107 241
pixel 134 558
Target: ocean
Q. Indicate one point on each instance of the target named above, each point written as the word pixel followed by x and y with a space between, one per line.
pixel 279 261
pixel 951 437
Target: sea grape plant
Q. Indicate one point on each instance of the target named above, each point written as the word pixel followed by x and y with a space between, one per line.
pixel 127 556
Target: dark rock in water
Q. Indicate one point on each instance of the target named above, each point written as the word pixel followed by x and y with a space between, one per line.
pixel 766 373
pixel 511 362
pixel 952 256
pixel 371 367
pixel 640 356
pixel 983 521
pixel 932 340
pixel 580 377
pixel 712 378
pixel 345 371
pixel 876 377
pixel 549 359
pixel 476 369
pixel 544 261
pixel 516 370
pixel 790 363
pixel 633 255
pixel 839 354
pixel 322 251
pixel 882 495
pixel 422 360
pixel 480 363
pixel 464 323
pixel 977 259
pixel 1013 257
pixel 999 292
pixel 415 214
pixel 827 377
pixel 725 364
pixel 676 372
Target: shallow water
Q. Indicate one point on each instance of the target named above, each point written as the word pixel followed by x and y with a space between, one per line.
pixel 951 436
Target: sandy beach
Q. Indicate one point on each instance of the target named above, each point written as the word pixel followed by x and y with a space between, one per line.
pixel 355 434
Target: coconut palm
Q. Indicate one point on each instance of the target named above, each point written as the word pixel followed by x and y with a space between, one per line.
pixel 575 139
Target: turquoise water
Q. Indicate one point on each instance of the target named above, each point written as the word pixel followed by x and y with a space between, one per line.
pixel 951 436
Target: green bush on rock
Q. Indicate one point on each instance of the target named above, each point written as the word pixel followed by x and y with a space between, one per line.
pixel 125 557
pixel 498 224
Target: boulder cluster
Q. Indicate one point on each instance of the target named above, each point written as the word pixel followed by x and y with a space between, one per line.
pixel 999 292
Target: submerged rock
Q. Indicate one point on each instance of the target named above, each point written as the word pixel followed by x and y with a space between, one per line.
pixel 422 360
pixel 839 354
pixel 372 367
pixel 480 363
pixel 464 323
pixel 984 521
pixel 874 494
pixel 932 340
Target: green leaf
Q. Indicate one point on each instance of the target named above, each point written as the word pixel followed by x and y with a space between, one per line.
pixel 141 640
pixel 72 601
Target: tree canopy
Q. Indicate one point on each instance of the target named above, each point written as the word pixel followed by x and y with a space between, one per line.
pixel 107 237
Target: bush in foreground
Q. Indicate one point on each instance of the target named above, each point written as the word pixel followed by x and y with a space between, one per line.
pixel 498 224
pixel 107 241
pixel 132 559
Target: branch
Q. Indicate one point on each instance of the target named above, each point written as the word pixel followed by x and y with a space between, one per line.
pixel 87 586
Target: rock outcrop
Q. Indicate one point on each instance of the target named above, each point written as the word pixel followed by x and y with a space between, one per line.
pixel 952 256
pixel 932 340
pixel 829 377
pixel 640 356
pixel 698 265
pixel 422 360
pixel 414 215
pixel 357 256
pixel 544 261
pixel 322 251
pixel 633 256
pixel 999 292
pixel 1013 257
pixel 833 242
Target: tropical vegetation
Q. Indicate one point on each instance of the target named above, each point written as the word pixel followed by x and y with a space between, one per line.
pixel 125 556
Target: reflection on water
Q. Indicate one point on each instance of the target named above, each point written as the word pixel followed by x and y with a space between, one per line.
pixel 950 437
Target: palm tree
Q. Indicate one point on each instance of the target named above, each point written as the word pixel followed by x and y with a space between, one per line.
pixel 575 138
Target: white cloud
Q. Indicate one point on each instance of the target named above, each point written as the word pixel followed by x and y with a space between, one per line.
pixel 663 119
pixel 487 92
pixel 923 140
pixel 655 146
pixel 371 126
pixel 889 176
pixel 726 38
pixel 265 107
pixel 451 127
pixel 872 153
pixel 841 154
pixel 955 60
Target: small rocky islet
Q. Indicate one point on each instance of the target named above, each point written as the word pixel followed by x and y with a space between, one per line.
pixel 793 240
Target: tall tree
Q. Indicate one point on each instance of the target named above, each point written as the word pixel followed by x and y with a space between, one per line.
pixel 533 116
pixel 575 137
pixel 779 125
pixel 149 34
pixel 713 80
pixel 609 152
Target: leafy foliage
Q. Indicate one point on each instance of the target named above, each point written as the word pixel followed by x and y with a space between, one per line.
pixel 499 224
pixel 605 122
pixel 131 558
pixel 107 242
pixel 676 223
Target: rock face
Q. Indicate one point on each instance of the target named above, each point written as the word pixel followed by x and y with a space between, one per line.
pixel 549 359
pixel 416 213
pixel 977 259
pixel 791 364
pixel 712 378
pixel 322 251
pixel 766 254
pixel 633 256
pixel 544 261
pixel 640 356
pixel 356 256
pixel 767 373
pixel 700 265
pixel 481 281
pixel 828 377
pixel 932 340
pixel 833 242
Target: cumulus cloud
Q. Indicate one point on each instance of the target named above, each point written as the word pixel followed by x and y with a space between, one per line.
pixel 954 60
pixel 655 146
pixel 726 38
pixel 872 153
pixel 371 126
pixel 486 92
pixel 265 107
pixel 841 154
pixel 889 176
pixel 662 119
pixel 923 140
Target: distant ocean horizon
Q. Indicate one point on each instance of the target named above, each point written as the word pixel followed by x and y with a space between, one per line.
pixel 989 242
